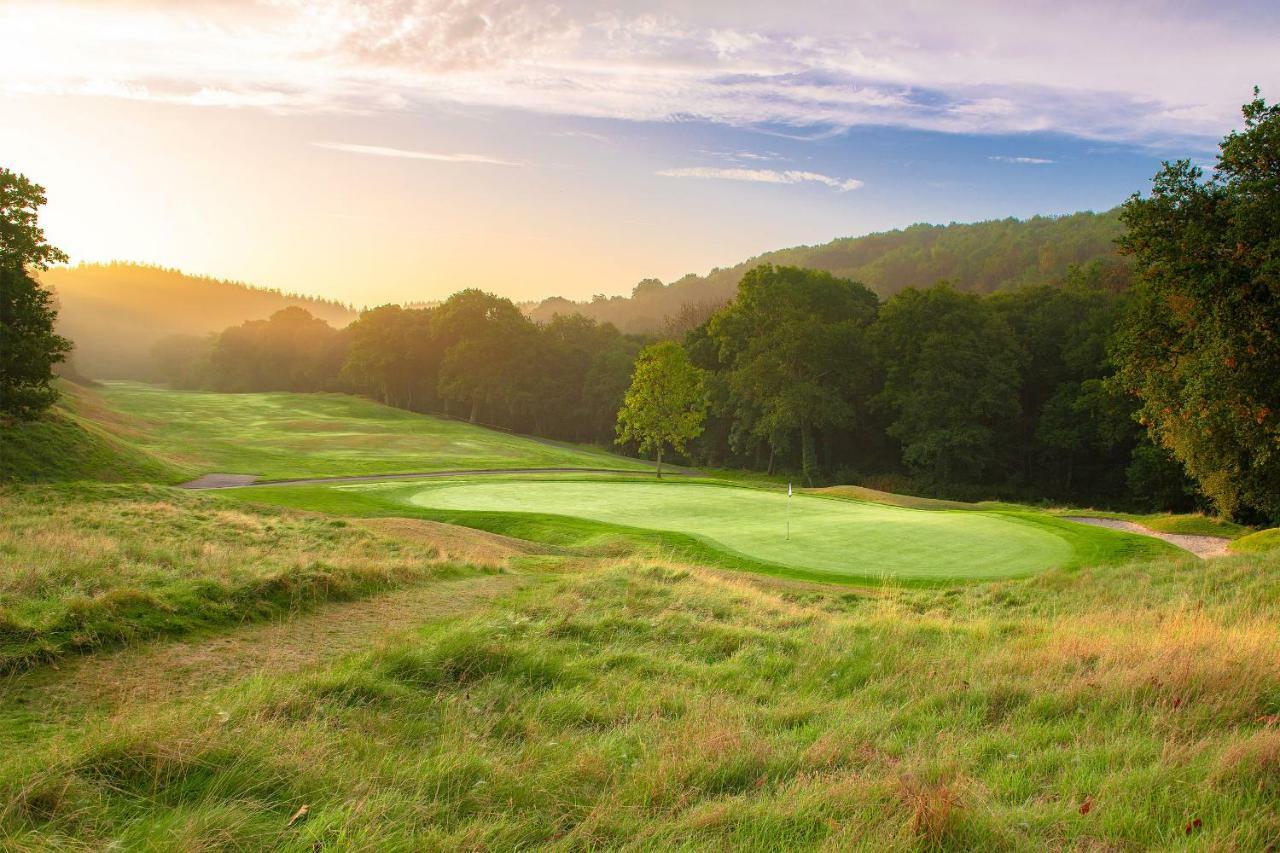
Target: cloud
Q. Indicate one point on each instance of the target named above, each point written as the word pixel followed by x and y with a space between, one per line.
pixel 763 176
pixel 381 151
pixel 983 67
pixel 1026 161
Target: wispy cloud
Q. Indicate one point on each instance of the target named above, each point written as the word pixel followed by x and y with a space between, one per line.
pixel 764 176
pixel 1036 68
pixel 1026 161
pixel 382 151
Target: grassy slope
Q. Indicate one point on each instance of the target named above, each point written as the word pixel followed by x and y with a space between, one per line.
pixel 737 527
pixel 1257 543
pixel 78 439
pixel 655 706
pixel 86 566
pixel 278 436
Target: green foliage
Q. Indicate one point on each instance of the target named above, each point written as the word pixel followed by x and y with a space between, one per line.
pixel 29 349
pixel 1200 346
pixel 666 403
pixel 794 350
pixel 290 351
pixel 952 372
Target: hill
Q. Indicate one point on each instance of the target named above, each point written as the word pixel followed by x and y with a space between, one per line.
pixel 115 313
pixel 80 439
pixel 980 257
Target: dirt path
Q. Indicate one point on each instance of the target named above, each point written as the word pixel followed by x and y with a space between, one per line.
pixel 110 683
pixel 234 481
pixel 1202 546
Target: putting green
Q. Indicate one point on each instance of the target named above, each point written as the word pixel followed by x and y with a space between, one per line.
pixel 828 536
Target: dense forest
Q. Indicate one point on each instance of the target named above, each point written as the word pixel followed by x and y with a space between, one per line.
pixel 116 312
pixel 932 389
pixel 981 257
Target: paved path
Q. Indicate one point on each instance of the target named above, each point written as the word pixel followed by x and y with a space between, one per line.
pixel 1202 546
pixel 237 481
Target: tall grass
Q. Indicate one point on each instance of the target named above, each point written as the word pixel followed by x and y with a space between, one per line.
pixel 637 704
pixel 86 566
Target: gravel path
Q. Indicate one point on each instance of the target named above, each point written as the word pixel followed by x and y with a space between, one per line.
pixel 1202 546
pixel 236 481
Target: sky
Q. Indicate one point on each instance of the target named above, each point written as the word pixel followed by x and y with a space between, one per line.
pixel 399 150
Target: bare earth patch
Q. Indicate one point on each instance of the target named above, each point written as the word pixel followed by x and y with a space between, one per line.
pixel 159 672
pixel 1202 546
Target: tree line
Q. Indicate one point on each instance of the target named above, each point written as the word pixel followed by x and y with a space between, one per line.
pixel 475 356
pixel 1159 388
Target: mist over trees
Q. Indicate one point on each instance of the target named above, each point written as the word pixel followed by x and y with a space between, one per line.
pixel 980 257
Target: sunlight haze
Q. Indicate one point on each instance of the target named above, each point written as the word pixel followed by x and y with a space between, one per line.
pixel 401 151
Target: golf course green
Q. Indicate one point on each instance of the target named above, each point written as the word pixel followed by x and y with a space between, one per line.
pixel 829 537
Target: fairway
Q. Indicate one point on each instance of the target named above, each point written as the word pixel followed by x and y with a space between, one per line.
pixel 279 435
pixel 828 536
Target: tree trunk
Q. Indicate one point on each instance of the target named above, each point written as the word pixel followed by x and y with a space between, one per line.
pixel 770 470
pixel 659 461
pixel 808 460
pixel 475 409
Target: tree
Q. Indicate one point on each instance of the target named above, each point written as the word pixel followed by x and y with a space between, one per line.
pixel 29 348
pixel 1200 345
pixel 952 370
pixel 794 344
pixel 666 403
pixel 486 343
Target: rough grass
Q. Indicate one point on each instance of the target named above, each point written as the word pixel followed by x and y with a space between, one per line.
pixel 74 441
pixel 648 705
pixel 281 436
pixel 87 566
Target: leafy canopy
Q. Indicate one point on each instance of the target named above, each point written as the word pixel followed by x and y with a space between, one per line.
pixel 29 349
pixel 666 403
pixel 1200 346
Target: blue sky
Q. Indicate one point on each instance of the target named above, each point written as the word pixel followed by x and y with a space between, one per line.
pixel 402 149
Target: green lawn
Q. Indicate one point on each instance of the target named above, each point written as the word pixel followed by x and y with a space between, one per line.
pixel 280 436
pixel 831 539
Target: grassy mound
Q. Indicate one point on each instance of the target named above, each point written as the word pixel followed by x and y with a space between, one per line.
pixel 83 567
pixel 644 705
pixel 1257 543
pixel 282 436
pixel 77 440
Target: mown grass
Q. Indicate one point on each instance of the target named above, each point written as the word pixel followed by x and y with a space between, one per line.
pixel 643 705
pixel 738 527
pixel 283 436
pixel 87 566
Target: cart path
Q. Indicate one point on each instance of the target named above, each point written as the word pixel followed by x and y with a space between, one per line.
pixel 1203 547
pixel 237 481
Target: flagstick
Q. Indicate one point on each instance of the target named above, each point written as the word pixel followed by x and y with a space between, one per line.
pixel 788 512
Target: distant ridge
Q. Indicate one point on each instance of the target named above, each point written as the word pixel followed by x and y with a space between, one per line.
pixel 979 257
pixel 115 313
